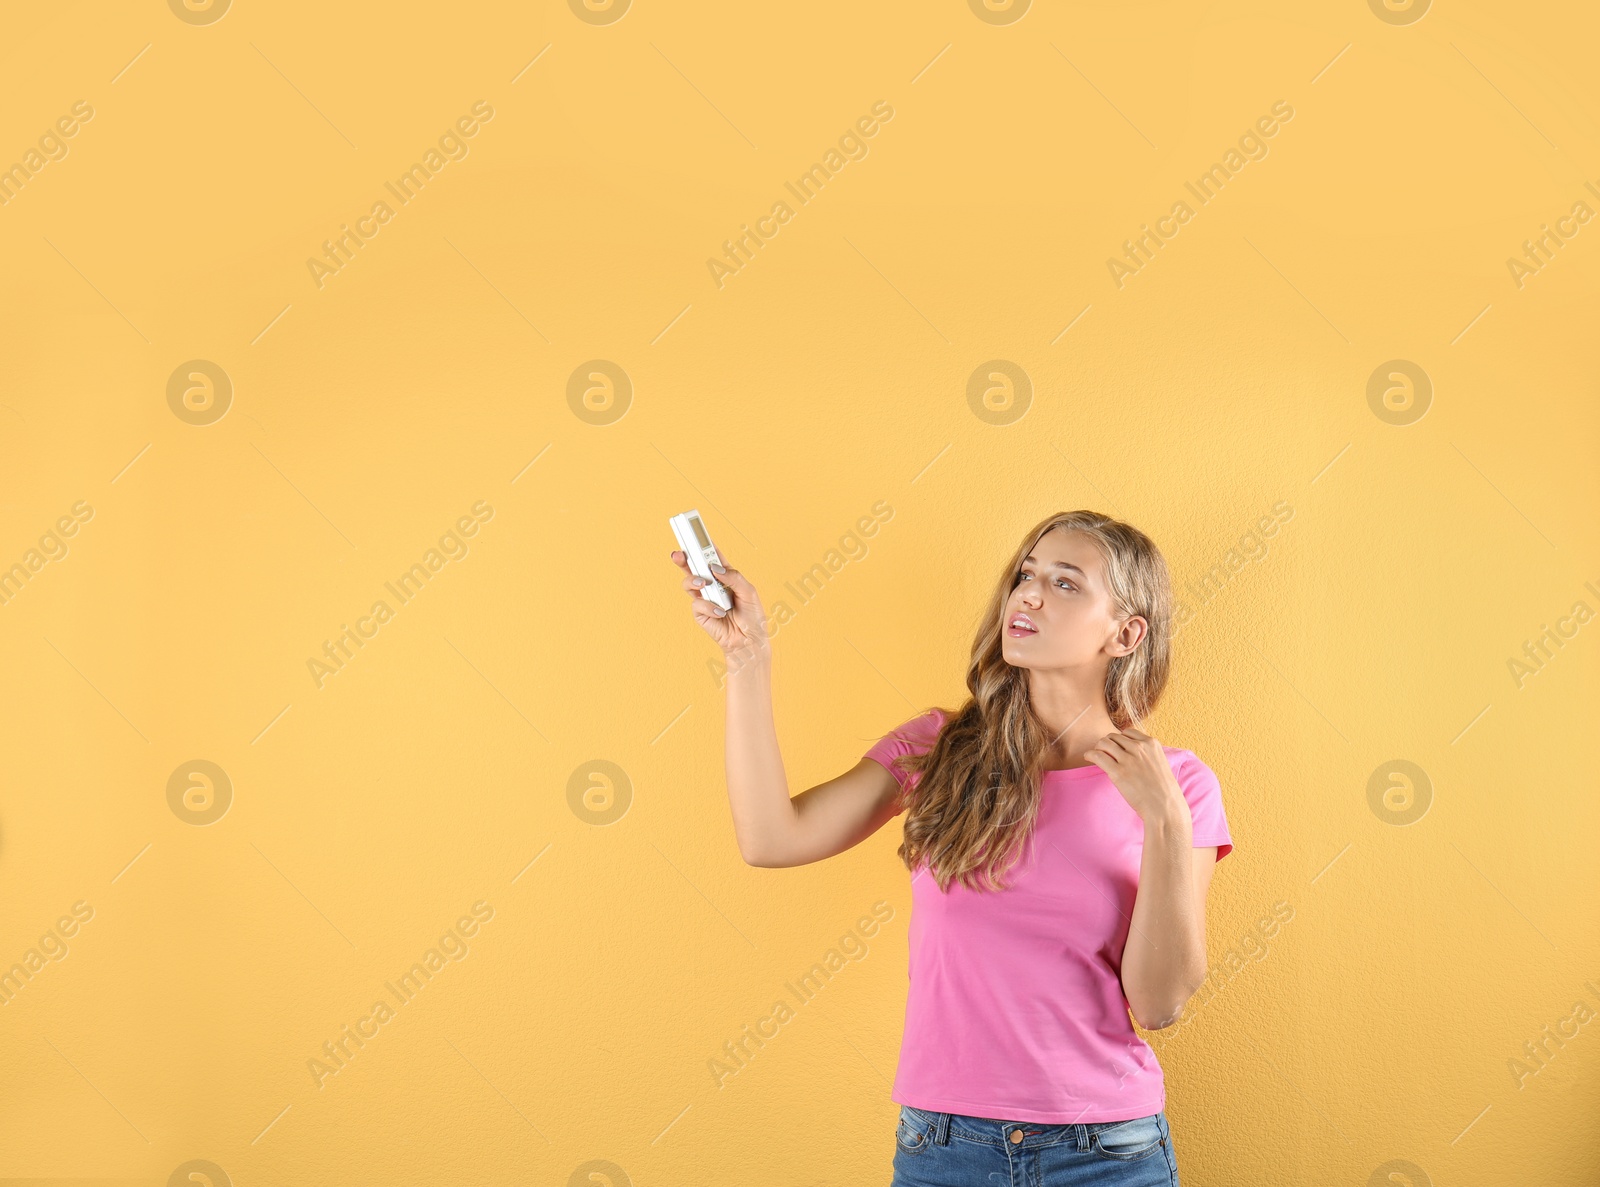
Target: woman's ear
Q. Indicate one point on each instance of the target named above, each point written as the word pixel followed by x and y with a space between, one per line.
pixel 1134 629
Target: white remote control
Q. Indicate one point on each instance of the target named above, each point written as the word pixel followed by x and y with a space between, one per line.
pixel 701 554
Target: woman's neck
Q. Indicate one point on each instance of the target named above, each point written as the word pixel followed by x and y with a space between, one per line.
pixel 1071 726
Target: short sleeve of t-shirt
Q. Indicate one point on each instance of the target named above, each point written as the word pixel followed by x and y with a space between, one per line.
pixel 914 736
pixel 1203 794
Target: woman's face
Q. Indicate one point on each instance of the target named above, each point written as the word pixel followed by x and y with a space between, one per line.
pixel 1061 591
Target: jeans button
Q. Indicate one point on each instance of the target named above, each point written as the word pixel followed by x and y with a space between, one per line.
pixel 1016 1136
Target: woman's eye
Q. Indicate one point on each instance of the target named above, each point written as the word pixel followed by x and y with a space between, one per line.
pixel 1060 581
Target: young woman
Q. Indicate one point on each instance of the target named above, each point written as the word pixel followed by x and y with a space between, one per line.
pixel 1060 862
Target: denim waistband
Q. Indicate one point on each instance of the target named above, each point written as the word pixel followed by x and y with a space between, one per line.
pixel 994 1131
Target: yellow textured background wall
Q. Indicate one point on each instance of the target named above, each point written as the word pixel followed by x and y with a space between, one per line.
pixel 1365 442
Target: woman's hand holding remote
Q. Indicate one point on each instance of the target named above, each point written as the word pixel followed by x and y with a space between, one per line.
pixel 741 632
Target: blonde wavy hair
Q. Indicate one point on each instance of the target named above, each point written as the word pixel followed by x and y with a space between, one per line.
pixel 977 800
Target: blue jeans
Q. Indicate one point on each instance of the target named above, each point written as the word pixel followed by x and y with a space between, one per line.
pixel 954 1150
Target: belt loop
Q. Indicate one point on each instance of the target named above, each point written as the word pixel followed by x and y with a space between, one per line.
pixel 941 1130
pixel 1082 1131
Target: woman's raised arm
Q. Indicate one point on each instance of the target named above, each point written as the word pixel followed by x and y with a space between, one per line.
pixel 774 829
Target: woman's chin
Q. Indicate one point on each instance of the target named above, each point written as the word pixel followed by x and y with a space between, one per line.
pixel 1014 655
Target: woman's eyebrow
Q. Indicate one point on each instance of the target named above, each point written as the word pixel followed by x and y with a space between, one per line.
pixel 1060 565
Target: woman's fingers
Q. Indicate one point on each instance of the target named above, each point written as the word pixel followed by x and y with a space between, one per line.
pixel 736 581
pixel 705 608
pixel 711 618
pixel 1116 740
pixel 691 584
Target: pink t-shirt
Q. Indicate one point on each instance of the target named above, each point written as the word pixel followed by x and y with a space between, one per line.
pixel 1015 1009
